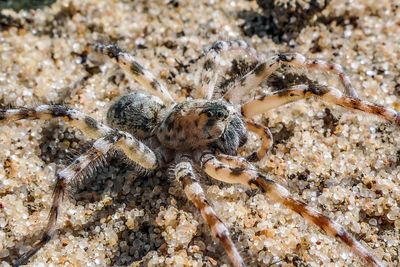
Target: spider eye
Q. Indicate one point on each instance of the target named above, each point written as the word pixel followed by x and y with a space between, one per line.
pixel 220 114
pixel 216 114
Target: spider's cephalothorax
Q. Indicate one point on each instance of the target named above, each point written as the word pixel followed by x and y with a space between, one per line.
pixel 201 123
pixel 194 123
pixel 156 132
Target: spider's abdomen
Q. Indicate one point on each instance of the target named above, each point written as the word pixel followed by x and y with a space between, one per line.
pixel 136 113
pixel 195 123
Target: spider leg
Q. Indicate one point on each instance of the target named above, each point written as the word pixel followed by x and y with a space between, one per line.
pixel 250 177
pixel 329 94
pixel 185 175
pixel 267 140
pixel 134 69
pixel 271 64
pixel 85 123
pixel 234 161
pixel 78 169
pixel 252 79
pixel 209 61
pixel 134 149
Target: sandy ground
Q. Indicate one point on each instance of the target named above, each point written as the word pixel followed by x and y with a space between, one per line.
pixel 343 163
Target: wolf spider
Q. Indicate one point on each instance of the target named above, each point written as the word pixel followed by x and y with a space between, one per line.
pixel 205 133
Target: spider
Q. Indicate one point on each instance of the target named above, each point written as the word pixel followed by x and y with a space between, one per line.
pixel 201 134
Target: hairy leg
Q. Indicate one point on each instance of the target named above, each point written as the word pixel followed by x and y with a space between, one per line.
pixel 209 62
pixel 185 175
pixel 135 70
pixel 329 94
pixel 78 169
pixel 85 123
pixel 271 64
pixel 250 177
pixel 133 148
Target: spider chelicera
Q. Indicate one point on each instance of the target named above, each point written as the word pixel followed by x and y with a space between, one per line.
pixel 204 133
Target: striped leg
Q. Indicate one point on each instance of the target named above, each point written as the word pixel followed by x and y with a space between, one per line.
pixel 234 161
pixel 252 79
pixel 85 123
pixel 134 149
pixel 250 177
pixel 209 61
pixel 78 169
pixel 185 175
pixel 329 94
pixel 134 69
pixel 271 64
pixel 267 140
